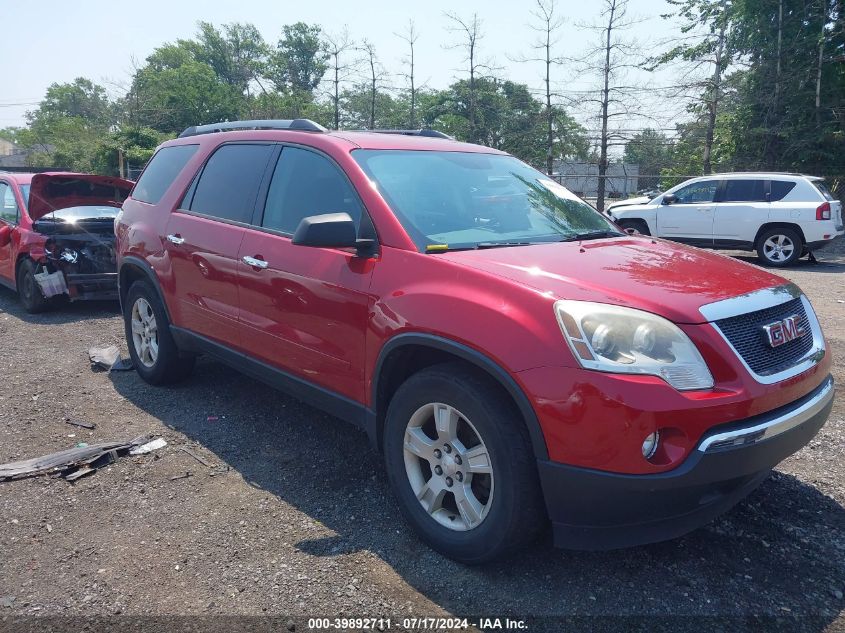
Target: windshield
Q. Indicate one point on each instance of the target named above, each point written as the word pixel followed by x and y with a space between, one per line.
pixel 25 194
pixel 72 215
pixel 470 200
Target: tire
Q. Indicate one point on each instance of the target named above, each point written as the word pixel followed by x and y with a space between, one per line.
pixel 154 353
pixel 780 246
pixel 506 508
pixel 29 291
pixel 638 225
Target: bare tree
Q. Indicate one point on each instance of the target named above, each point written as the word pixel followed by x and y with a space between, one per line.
pixel 410 36
pixel 375 77
pixel 825 12
pixel 704 54
pixel 610 60
pixel 546 25
pixel 340 67
pixel 470 35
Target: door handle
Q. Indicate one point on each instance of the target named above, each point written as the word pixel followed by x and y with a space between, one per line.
pixel 176 239
pixel 254 262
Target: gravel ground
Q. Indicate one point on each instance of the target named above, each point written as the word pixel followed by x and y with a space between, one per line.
pixel 295 516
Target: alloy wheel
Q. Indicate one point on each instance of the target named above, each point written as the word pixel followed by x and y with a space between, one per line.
pixel 448 466
pixel 144 332
pixel 778 248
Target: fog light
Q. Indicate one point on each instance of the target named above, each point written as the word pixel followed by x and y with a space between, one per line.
pixel 650 444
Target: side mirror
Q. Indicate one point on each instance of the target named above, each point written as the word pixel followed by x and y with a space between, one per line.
pixel 5 235
pixel 330 230
pixel 669 198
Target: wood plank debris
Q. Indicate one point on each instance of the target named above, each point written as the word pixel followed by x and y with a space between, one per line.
pixel 69 460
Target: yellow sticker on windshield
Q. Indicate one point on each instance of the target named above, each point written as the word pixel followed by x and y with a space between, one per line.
pixel 437 247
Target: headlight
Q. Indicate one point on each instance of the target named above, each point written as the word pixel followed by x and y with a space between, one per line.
pixel 627 341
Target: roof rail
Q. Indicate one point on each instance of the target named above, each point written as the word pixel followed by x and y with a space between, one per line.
pixel 304 125
pixel 422 132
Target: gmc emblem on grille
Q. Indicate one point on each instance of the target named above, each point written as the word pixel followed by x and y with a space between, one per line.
pixel 781 332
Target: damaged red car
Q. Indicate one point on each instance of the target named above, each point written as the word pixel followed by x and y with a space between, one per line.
pixel 57 236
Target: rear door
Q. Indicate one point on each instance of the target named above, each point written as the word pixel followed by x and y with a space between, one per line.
pixel 742 207
pixel 304 310
pixel 204 234
pixel 690 218
pixel 9 217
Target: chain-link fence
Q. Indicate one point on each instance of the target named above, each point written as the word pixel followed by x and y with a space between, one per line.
pixel 626 182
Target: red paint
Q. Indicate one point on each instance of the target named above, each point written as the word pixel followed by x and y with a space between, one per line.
pixel 55 190
pixel 325 314
pixel 23 240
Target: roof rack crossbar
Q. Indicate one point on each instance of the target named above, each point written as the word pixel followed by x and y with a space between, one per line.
pixel 303 125
pixel 421 132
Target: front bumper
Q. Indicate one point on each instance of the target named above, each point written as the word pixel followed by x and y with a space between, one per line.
pixel 592 509
pixel 92 286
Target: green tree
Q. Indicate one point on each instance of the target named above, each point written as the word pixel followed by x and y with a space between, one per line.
pixel 236 53
pixel 63 131
pixel 361 108
pixel 135 144
pixel 174 91
pixel 706 47
pixel 81 98
pixel 507 117
pixel 10 133
pixel 650 150
pixel 300 59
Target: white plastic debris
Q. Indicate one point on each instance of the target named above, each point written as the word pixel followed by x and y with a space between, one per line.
pixel 51 284
pixel 149 447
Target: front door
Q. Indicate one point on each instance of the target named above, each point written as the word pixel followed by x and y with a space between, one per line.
pixel 302 309
pixel 9 217
pixel 690 218
pixel 203 238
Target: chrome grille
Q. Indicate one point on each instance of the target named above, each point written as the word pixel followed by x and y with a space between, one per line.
pixel 745 333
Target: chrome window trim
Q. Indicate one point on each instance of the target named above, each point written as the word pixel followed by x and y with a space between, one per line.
pixel 772 427
pixel 760 300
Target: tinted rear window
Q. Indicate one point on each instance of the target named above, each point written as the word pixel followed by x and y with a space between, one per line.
pixel 819 184
pixel 744 191
pixel 162 171
pixel 780 188
pixel 229 182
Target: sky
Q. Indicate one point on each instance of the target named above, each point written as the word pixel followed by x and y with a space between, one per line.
pixel 100 39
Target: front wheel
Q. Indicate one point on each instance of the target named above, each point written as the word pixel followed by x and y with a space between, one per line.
pixel 29 291
pixel 460 463
pixel 780 247
pixel 151 346
pixel 640 226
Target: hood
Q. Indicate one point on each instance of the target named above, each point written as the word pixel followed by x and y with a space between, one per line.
pixel 630 202
pixel 650 274
pixel 53 191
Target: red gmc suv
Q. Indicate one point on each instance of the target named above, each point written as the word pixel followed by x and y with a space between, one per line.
pixel 514 356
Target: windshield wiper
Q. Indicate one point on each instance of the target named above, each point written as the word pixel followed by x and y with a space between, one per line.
pixel 591 235
pixel 481 245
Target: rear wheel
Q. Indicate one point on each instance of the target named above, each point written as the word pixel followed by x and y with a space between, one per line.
pixel 29 291
pixel 780 246
pixel 460 462
pixel 151 346
pixel 638 225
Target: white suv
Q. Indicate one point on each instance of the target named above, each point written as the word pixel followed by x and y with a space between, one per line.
pixel 781 216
